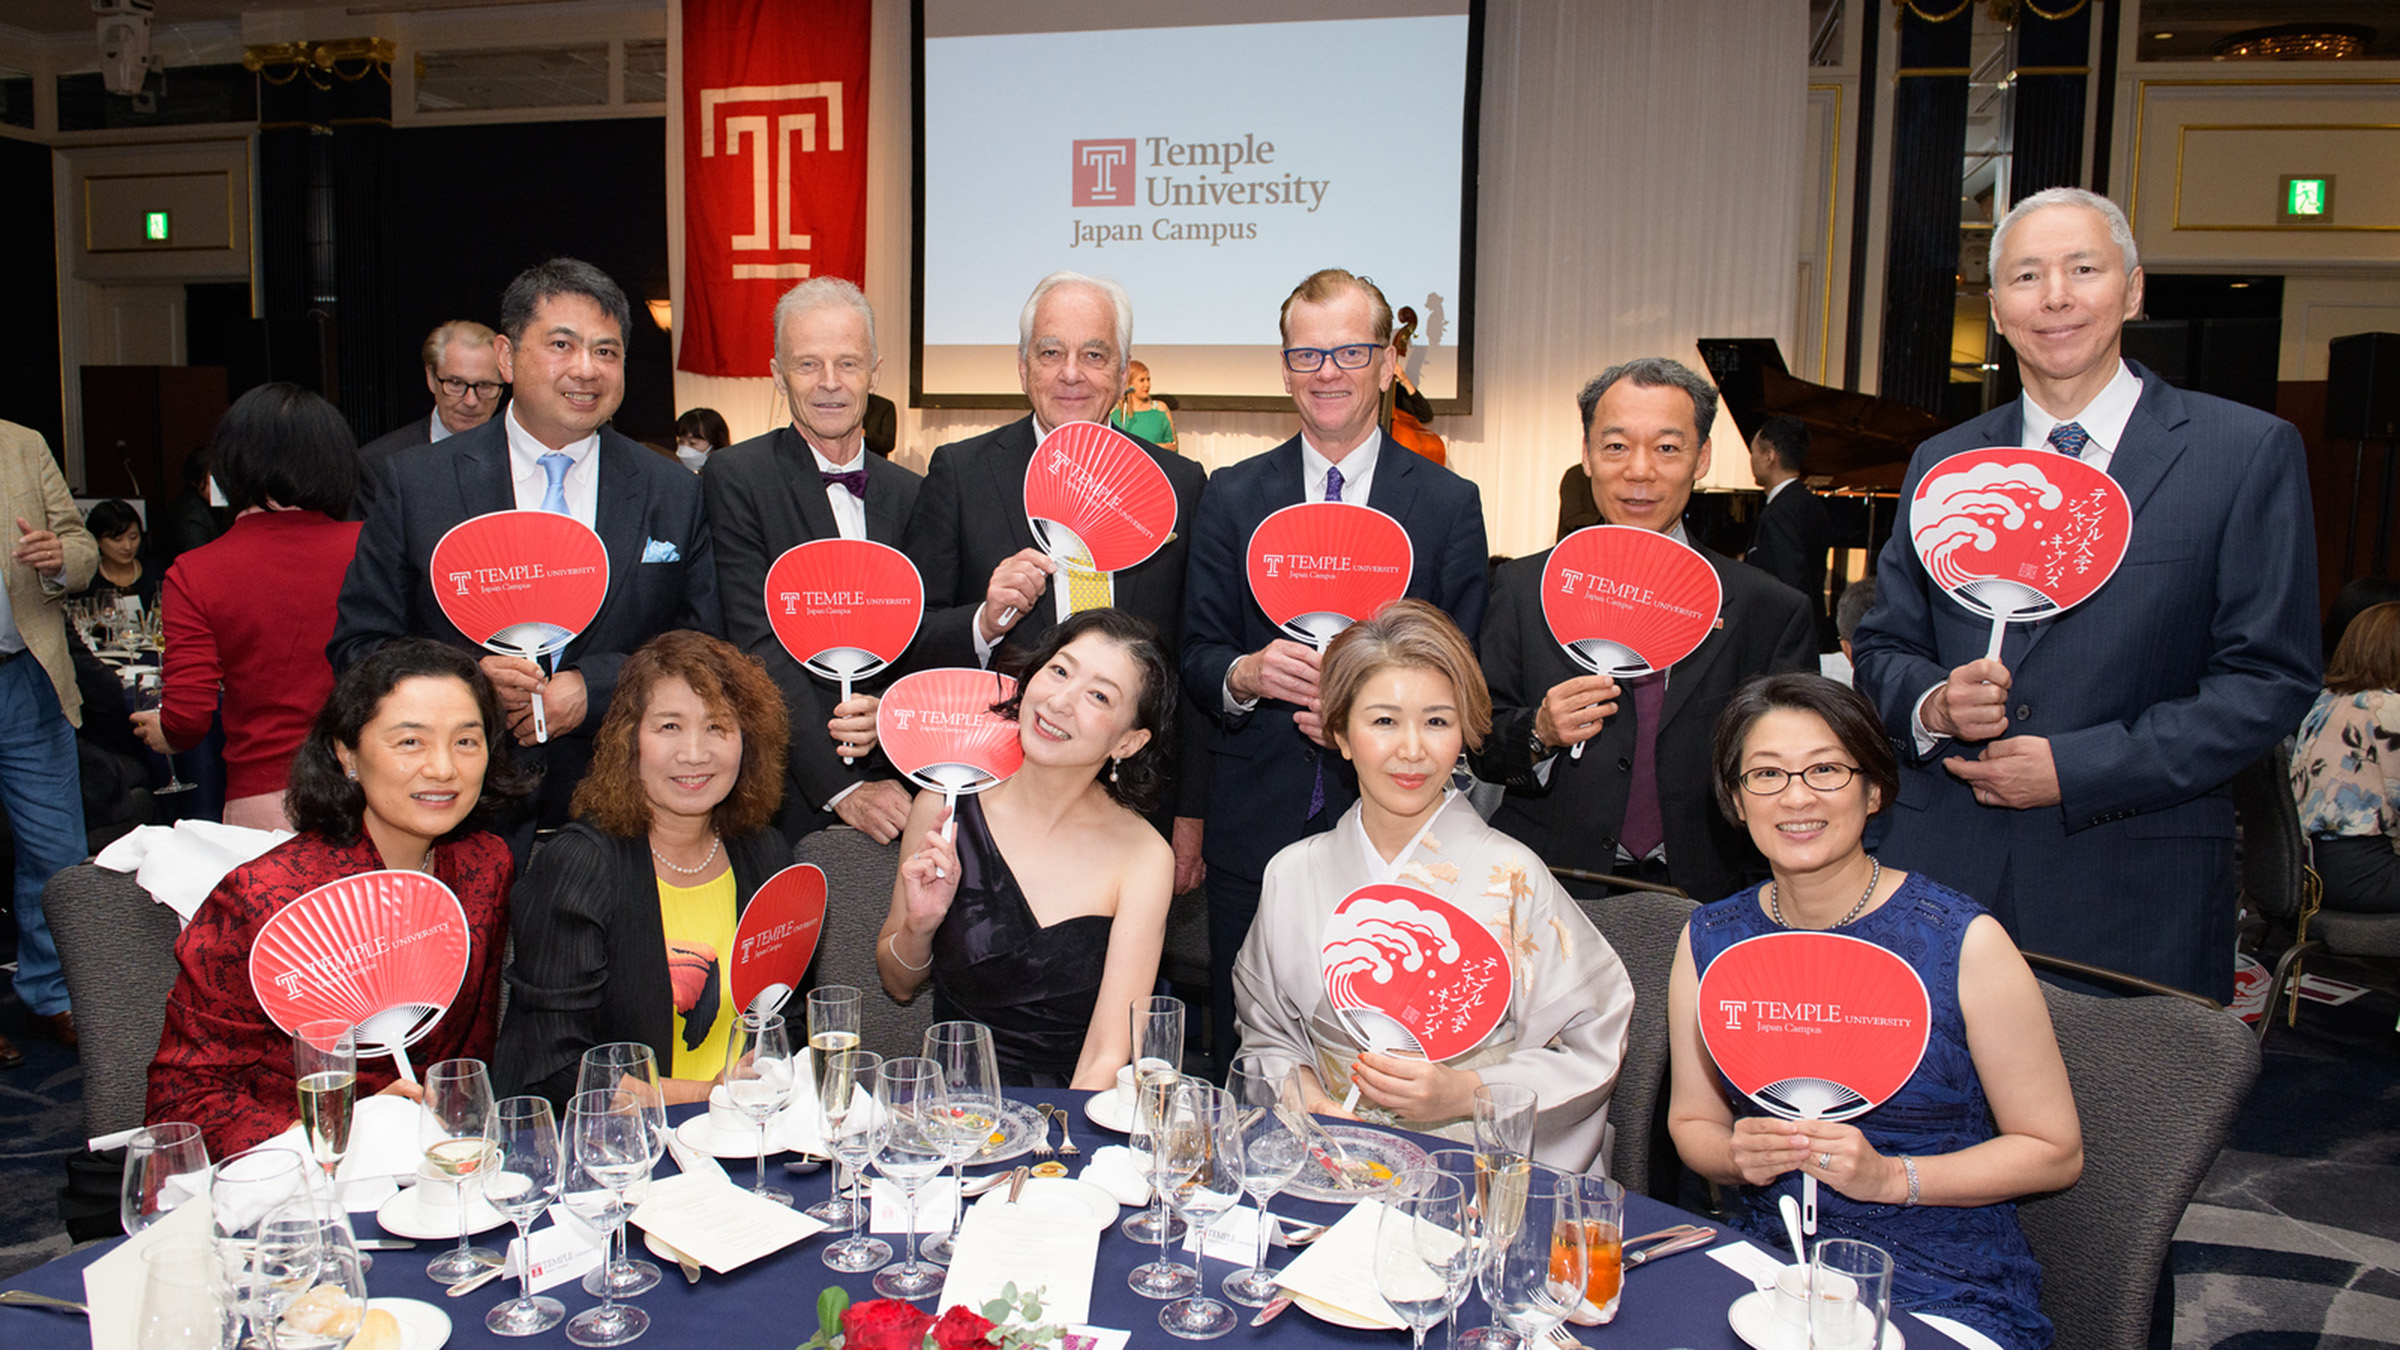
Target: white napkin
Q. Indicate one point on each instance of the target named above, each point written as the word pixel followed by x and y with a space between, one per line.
pixel 1339 1268
pixel 937 1201
pixel 1750 1261
pixel 691 1160
pixel 114 1284
pixel 181 865
pixel 1119 1171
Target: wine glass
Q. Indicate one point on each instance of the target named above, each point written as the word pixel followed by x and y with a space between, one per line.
pixel 1271 1156
pixel 325 1068
pixel 1465 1166
pixel 184 1302
pixel 627 1066
pixel 311 1266
pixel 1540 1263
pixel 147 697
pixel 456 1129
pixel 1201 1155
pixel 915 1108
pixel 971 1075
pixel 607 1150
pixel 1158 1025
pixel 243 1192
pixel 165 1165
pixel 853 1130
pixel 758 1079
pixel 1423 1248
pixel 833 1012
pixel 527 1171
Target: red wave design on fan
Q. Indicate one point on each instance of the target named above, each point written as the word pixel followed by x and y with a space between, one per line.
pixel 2021 532
pixel 1318 567
pixel 1099 486
pixel 844 607
pixel 1814 1026
pixel 522 583
pixel 381 951
pixel 1401 953
pixel 1628 601
pixel 778 934
pixel 938 727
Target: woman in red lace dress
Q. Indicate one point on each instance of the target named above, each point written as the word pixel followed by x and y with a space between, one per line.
pixel 399 771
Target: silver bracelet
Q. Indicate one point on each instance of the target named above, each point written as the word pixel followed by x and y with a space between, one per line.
pixel 1907 1164
pixel 893 942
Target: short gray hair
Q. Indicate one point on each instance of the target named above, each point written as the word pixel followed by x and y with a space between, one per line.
pixel 2120 232
pixel 1652 372
pixel 823 293
pixel 1119 303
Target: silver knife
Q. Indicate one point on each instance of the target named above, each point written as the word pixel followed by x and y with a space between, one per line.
pixel 386 1244
pixel 472 1283
pixel 1682 1244
pixel 1272 1311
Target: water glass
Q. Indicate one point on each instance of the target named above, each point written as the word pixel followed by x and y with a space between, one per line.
pixel 1540 1262
pixel 165 1165
pixel 631 1067
pixel 456 1129
pixel 527 1171
pixel 312 1275
pixel 1423 1248
pixel 853 1130
pixel 915 1107
pixel 606 1153
pixel 1272 1154
pixel 1200 1154
pixel 971 1075
pixel 184 1301
pixel 758 1078
pixel 1849 1295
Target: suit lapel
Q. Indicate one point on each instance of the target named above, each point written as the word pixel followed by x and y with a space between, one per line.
pixel 800 476
pixel 485 482
pixel 1685 675
pixel 1006 469
pixel 885 520
pixel 1395 489
pixel 617 517
pixel 2152 442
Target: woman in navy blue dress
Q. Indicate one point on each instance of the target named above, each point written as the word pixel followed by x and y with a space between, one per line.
pixel 1931 1173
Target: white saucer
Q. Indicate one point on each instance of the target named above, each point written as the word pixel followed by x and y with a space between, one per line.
pixel 701 1135
pixel 422 1325
pixel 402 1216
pixel 1104 1110
pixel 1340 1317
pixel 1060 1195
pixel 1754 1320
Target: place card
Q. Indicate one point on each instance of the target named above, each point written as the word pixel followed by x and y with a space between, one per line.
pixel 1002 1245
pixel 114 1284
pixel 1750 1261
pixel 1338 1269
pixel 1233 1237
pixel 721 1226
pixel 560 1254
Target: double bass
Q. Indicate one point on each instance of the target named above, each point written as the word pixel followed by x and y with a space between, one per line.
pixel 1406 427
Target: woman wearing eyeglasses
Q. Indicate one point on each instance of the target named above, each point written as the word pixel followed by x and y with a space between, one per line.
pixel 1929 1174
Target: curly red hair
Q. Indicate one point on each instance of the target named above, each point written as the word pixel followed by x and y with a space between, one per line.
pixel 733 685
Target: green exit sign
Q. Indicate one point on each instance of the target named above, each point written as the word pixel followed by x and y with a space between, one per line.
pixel 2305 200
pixel 155 227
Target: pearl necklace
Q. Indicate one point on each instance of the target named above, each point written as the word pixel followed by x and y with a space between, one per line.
pixel 714 843
pixel 1775 910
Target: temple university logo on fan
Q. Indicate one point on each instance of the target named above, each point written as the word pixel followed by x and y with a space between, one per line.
pixel 1104 173
pixel 758 129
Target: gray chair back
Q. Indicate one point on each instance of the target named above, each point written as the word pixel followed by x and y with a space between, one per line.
pixel 1644 929
pixel 2157 1083
pixel 858 894
pixel 2273 853
pixel 117 947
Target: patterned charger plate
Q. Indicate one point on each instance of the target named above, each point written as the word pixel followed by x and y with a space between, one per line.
pixel 1012 1136
pixel 1375 1158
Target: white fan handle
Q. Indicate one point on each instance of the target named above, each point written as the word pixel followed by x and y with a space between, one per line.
pixel 400 1061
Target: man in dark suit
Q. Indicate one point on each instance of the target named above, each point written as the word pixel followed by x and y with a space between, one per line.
pixel 813 480
pixel 462 372
pixel 989 592
pixel 1794 533
pixel 1277 779
pixel 1640 800
pixel 563 353
pixel 2077 786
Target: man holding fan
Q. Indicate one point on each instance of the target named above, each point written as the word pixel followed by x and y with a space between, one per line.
pixel 813 480
pixel 2077 785
pixel 1637 799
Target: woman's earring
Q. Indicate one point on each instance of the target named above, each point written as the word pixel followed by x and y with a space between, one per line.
pixel 1112 768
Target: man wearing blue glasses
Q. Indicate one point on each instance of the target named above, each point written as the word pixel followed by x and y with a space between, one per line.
pixel 1276 779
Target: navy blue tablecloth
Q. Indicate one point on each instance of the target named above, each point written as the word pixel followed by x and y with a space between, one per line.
pixel 771 1304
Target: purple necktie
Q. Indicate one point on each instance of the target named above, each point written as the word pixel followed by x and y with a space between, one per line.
pixel 2069 438
pixel 1644 830
pixel 1316 790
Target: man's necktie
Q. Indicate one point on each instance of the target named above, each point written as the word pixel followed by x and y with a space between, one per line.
pixel 554 493
pixel 2069 438
pixel 1316 790
pixel 853 479
pixel 1644 828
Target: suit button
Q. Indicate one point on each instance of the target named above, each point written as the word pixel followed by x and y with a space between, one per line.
pixel 2024 710
pixel 1608 841
pixel 1624 765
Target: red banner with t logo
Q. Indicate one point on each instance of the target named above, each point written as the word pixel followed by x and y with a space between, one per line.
pixel 774 167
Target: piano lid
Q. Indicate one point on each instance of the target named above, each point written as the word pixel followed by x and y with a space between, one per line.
pixel 1859 440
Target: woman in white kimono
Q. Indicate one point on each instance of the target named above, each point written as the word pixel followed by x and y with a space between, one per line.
pixel 1402 698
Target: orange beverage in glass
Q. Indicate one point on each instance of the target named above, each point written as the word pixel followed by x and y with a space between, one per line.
pixel 1604 1249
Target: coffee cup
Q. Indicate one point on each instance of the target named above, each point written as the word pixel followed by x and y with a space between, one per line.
pixel 1792 1293
pixel 724 1118
pixel 1124 1090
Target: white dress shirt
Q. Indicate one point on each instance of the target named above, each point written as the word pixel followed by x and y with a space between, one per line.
pixel 531 482
pixel 437 430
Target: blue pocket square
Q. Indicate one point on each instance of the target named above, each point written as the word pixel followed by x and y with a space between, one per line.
pixel 660 550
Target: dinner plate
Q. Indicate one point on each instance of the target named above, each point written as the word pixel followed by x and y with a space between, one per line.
pixel 402 1216
pixel 1754 1320
pixel 422 1325
pixel 1060 1195
pixel 1340 1317
pixel 1018 1128
pixel 1107 1111
pixel 1386 1156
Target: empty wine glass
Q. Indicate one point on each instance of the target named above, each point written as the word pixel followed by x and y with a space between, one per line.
pixel 971 1075
pixel 1540 1263
pixel 184 1301
pixel 1465 1166
pixel 243 1192
pixel 1200 1149
pixel 311 1263
pixel 1158 1026
pixel 833 1012
pixel 853 1129
pixel 627 1066
pixel 1271 1156
pixel 758 1079
pixel 607 1152
pixel 1422 1248
pixel 456 1129
pixel 147 698
pixel 165 1165
pixel 527 1171
pixel 915 1110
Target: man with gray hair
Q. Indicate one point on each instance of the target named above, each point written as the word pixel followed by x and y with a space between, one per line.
pixel 1640 800
pixel 462 372
pixel 812 479
pixel 2078 785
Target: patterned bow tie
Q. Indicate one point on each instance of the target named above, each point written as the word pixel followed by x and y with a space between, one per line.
pixel 853 479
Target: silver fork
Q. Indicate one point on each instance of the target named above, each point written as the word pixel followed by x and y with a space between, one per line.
pixel 1066 1136
pixel 1559 1335
pixel 1041 1146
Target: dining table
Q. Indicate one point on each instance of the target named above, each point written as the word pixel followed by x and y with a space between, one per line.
pixel 1678 1302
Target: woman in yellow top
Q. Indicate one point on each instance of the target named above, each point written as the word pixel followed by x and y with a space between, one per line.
pixel 624 920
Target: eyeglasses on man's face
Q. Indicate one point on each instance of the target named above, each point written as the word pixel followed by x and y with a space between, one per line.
pixel 1305 360
pixel 457 388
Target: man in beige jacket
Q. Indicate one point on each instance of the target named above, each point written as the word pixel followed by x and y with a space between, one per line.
pixel 40 786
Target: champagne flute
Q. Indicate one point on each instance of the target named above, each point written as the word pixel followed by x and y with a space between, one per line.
pixel 971 1075
pixel 607 1151
pixel 456 1130
pixel 184 1304
pixel 527 1171
pixel 325 1068
pixel 914 1105
pixel 1271 1156
pixel 1422 1248
pixel 165 1165
pixel 758 1078
pixel 853 1129
pixel 1201 1149
pixel 1158 1025
pixel 627 1066
pixel 1540 1265
pixel 833 1013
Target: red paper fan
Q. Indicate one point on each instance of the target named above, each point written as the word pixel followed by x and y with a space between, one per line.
pixel 938 727
pixel 1410 971
pixel 844 608
pixel 2015 533
pixel 521 583
pixel 1319 567
pixel 777 936
pixel 1627 601
pixel 382 951
pixel 1814 1026
pixel 1093 491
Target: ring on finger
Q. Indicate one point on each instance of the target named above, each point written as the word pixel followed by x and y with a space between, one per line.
pixel 1825 1161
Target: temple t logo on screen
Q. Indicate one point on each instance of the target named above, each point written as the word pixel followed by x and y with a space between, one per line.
pixel 770 132
pixel 1104 173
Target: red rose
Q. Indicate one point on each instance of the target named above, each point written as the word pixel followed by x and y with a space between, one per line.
pixel 884 1324
pixel 960 1329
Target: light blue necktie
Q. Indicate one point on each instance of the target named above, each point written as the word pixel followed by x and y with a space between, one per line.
pixel 1316 789
pixel 554 492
